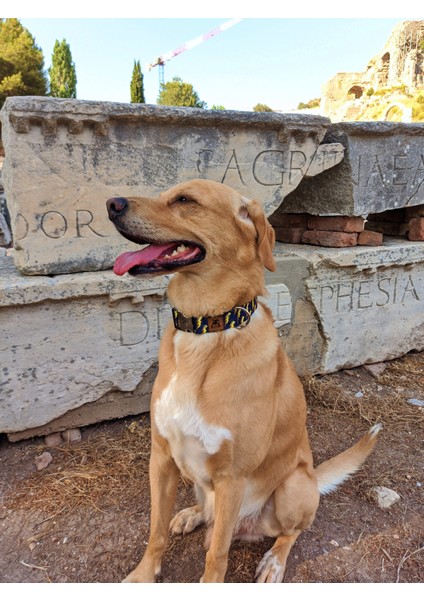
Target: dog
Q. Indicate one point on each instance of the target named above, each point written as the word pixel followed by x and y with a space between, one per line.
pixel 228 410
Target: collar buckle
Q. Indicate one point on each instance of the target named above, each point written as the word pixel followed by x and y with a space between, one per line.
pixel 243 321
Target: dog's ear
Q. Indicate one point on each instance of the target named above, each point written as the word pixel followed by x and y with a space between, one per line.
pixel 264 230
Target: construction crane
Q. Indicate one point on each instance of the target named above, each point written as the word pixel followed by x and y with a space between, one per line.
pixel 161 60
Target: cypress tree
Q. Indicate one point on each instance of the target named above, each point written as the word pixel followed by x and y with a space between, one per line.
pixel 63 77
pixel 21 62
pixel 136 87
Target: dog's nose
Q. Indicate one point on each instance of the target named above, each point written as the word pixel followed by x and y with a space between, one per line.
pixel 116 207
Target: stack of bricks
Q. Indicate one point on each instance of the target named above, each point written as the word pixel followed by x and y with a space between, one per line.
pixel 343 232
pixel 405 222
pixel 333 232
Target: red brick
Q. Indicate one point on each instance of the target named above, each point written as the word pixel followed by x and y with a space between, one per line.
pixel 370 238
pixel 416 229
pixel 286 220
pixel 332 239
pixel 414 211
pixel 291 235
pixel 344 224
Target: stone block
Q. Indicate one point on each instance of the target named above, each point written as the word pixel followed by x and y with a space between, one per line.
pixel 81 348
pixel 331 239
pixel 70 341
pixel 416 229
pixel 370 238
pixel 65 158
pixel 383 169
pixel 352 306
pixel 345 224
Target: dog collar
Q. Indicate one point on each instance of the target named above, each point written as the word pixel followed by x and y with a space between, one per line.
pixel 236 318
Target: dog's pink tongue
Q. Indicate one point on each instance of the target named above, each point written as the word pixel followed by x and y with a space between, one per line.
pixel 128 260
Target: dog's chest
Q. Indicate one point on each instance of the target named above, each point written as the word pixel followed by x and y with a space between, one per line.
pixel 191 438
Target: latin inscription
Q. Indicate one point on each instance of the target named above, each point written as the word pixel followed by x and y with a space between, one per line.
pixel 144 325
pixel 348 296
pixel 269 168
pixel 400 173
pixel 55 225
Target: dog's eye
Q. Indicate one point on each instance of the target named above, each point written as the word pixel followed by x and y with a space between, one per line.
pixel 184 200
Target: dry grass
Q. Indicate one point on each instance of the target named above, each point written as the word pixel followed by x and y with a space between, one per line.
pixel 388 404
pixel 99 472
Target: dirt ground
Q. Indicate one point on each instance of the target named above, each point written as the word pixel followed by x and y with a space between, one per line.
pixel 85 517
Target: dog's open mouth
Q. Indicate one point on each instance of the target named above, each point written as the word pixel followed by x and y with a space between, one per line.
pixel 159 258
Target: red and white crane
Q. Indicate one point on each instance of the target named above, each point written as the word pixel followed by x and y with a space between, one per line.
pixel 161 60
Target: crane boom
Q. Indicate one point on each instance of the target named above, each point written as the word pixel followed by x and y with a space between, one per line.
pixel 188 45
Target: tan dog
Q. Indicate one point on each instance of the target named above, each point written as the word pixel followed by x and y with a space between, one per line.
pixel 228 410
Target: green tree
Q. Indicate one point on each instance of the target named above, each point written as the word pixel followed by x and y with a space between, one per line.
pixel 137 87
pixel 63 76
pixel 262 108
pixel 21 63
pixel 218 107
pixel 179 93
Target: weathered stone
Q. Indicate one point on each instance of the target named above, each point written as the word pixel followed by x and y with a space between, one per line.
pixel 352 306
pixel 70 340
pixel 65 158
pixel 385 497
pixel 84 345
pixel 383 169
pixel 345 224
pixel 376 369
pixel 43 460
pixel 52 440
pixel 72 435
pixel 331 239
pixel 113 405
pixel 370 238
pixel 326 156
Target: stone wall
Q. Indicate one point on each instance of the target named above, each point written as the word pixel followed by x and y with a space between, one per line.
pixel 80 344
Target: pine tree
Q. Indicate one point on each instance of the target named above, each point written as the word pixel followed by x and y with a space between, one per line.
pixel 179 93
pixel 63 77
pixel 137 87
pixel 21 62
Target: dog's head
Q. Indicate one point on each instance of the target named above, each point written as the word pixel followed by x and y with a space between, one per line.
pixel 192 225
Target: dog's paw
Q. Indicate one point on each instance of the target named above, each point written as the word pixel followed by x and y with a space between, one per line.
pixel 269 570
pixel 133 577
pixel 186 520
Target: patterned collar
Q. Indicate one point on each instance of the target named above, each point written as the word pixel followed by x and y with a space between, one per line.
pixel 236 318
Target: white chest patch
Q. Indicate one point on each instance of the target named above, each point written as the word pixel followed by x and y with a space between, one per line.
pixel 191 438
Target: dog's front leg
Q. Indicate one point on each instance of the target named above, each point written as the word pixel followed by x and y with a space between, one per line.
pixel 164 477
pixel 228 498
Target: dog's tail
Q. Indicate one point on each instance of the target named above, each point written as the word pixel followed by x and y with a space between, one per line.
pixel 334 471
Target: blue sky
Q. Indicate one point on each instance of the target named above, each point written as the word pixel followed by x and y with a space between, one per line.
pixel 276 61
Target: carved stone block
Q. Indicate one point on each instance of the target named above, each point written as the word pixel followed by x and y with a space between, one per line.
pixel 65 158
pixel 383 169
